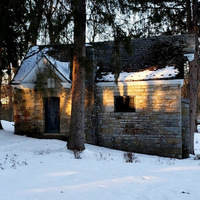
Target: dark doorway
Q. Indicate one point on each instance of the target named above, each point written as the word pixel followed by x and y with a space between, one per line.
pixel 52 114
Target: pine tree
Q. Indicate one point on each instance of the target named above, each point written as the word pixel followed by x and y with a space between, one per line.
pixel 35 19
pixel 77 137
pixel 12 32
pixel 194 67
pixel 106 16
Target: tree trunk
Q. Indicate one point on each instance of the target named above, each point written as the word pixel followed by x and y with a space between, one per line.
pixel 189 16
pixel 194 72
pixel 194 69
pixel 0 99
pixel 10 95
pixel 77 135
pixel 0 88
pixel 50 30
pixel 193 96
pixel 35 24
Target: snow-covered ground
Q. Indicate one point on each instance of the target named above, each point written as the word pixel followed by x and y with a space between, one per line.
pixel 35 169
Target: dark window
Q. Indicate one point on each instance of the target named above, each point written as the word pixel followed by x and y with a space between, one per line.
pixel 124 104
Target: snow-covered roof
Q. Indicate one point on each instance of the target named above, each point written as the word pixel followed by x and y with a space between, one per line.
pixel 164 73
pixel 167 53
pixel 189 56
pixel 62 67
pixel 152 58
pixel 31 60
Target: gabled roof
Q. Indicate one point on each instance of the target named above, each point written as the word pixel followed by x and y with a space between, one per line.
pixel 53 54
pixel 152 58
pixel 160 57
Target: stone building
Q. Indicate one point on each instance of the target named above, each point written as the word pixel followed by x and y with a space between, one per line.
pixel 133 100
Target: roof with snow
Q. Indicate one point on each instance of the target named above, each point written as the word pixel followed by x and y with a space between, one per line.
pixel 152 58
pixel 58 56
pixel 163 73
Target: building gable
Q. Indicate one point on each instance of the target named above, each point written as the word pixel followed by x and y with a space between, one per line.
pixel 35 60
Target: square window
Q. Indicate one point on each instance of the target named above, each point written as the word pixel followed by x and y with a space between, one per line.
pixel 124 104
pixel 50 83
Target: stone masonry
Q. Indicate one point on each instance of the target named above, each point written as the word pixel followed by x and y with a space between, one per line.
pixel 29 112
pixel 159 125
pixel 154 128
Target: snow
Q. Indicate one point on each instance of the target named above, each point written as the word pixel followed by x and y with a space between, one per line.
pixel 167 72
pixel 8 126
pixel 198 128
pixel 190 56
pixel 62 67
pixel 38 169
pixel 31 60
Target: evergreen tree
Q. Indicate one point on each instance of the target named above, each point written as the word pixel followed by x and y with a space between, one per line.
pixel 106 13
pixel 57 15
pixel 12 33
pixel 34 19
pixel 194 67
pixel 77 137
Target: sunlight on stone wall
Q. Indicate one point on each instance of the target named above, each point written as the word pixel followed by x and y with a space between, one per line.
pixel 147 97
pixel 65 103
pixel 154 126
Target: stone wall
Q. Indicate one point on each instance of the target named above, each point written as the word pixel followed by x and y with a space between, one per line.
pixel 6 113
pixel 155 127
pixel 29 111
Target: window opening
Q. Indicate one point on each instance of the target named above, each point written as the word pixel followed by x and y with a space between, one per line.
pixel 124 104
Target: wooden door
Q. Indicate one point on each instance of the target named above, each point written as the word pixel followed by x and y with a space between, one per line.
pixel 52 115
